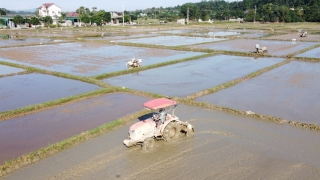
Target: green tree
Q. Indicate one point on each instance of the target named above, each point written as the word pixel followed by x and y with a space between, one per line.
pixel 34 21
pixel 18 19
pixel 2 22
pixel 62 17
pixel 101 17
pixel 283 12
pixel 85 18
pixel 4 11
pixel 193 11
pixel 47 20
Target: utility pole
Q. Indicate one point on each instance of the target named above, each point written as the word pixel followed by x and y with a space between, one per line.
pixel 122 14
pixel 255 12
pixel 188 15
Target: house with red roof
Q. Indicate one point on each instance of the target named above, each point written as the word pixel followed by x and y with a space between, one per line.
pixel 50 9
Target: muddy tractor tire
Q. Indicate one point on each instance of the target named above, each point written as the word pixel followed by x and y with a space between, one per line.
pixel 171 131
pixel 147 144
pixel 190 132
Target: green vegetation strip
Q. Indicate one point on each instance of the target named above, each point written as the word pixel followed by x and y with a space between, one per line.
pixel 142 68
pixel 34 108
pixel 307 59
pixel 236 81
pixel 67 143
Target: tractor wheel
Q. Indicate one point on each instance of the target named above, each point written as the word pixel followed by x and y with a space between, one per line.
pixel 147 144
pixel 171 131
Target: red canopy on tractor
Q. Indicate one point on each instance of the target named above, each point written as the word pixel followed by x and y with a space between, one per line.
pixel 159 103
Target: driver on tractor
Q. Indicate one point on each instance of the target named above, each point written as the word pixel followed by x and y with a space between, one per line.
pixel 161 116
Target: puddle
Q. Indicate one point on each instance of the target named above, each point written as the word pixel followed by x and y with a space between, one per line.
pixel 16 42
pixel 172 40
pixel 9 70
pixel 278 48
pixel 225 146
pixel 88 59
pixel 23 90
pixel 291 92
pixel 185 78
pixel 313 53
pixel 28 133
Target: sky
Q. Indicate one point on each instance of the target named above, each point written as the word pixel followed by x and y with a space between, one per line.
pixel 108 5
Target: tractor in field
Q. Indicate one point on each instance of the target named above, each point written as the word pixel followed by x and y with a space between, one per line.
pixel 304 34
pixel 133 62
pixel 161 126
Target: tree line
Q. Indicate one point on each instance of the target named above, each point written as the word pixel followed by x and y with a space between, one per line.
pixel 249 10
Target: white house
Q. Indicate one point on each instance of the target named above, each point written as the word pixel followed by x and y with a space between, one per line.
pixel 50 9
pixel 115 18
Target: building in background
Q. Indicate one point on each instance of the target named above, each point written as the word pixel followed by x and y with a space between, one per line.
pixel 50 9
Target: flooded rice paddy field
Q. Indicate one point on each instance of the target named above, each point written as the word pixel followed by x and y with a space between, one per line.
pixel 185 78
pixel 24 41
pixel 291 91
pixel 9 70
pixel 88 58
pixel 278 48
pixel 172 40
pixel 313 53
pixel 296 37
pixel 27 89
pixel 28 133
pixel 225 146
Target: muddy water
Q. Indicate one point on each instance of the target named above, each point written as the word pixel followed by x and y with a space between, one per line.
pixel 172 40
pixel 278 48
pixel 23 90
pixel 8 70
pixel 291 92
pixel 314 53
pixel 88 59
pixel 190 77
pixel 15 42
pixel 225 146
pixel 29 133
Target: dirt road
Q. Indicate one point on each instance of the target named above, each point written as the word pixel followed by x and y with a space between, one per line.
pixel 225 146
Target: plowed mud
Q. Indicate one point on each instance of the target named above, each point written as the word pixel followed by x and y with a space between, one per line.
pixel 224 146
pixel 29 133
pixel 88 59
